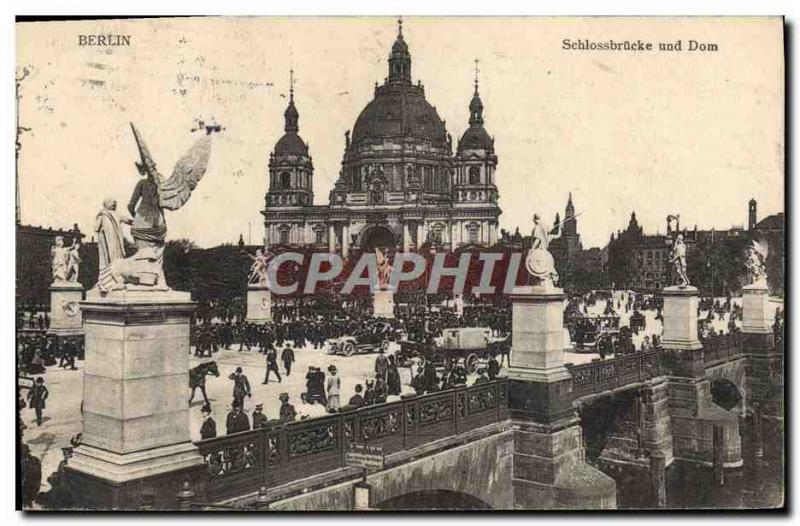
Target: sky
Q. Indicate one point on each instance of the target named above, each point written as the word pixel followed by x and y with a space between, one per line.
pixel 690 133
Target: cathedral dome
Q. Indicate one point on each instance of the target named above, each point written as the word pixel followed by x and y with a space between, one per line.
pixel 475 138
pixel 291 144
pixel 398 110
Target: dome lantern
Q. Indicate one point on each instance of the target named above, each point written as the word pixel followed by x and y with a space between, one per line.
pixel 400 58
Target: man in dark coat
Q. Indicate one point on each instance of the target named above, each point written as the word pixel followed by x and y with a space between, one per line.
pixel 36 398
pixel 287 412
pixel 369 394
pixel 259 418
pixel 287 357
pixel 357 400
pixel 393 377
pixel 237 421
pixel 209 427
pixel 381 366
pixel 493 368
pixel 272 365
pixel 380 391
pixel 241 386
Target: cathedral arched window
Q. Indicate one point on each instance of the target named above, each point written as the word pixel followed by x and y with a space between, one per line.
pixel 286 180
pixel 319 235
pixel 474 175
pixel 283 235
pixel 437 232
pixel 473 233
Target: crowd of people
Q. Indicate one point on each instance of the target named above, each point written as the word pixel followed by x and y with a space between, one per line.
pixel 221 326
pixel 37 350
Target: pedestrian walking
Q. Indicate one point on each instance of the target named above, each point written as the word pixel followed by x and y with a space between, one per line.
pixel 241 386
pixel 37 395
pixel 272 365
pixel 287 357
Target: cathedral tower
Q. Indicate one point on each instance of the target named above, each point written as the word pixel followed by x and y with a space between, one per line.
pixel 290 168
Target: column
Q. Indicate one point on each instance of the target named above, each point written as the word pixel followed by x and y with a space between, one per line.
pixel 453 226
pixel 420 238
pixel 406 238
pixel 345 240
pixel 331 238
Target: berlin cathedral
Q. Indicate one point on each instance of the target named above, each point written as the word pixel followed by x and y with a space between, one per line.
pixel 400 186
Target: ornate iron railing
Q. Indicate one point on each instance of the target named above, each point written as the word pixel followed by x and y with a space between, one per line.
pixel 242 463
pixel 608 375
pixel 721 347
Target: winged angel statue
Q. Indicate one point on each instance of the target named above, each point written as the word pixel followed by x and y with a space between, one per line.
pixel 152 195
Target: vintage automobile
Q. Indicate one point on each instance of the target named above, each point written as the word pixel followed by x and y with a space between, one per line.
pixel 588 332
pixel 469 346
pixel 364 341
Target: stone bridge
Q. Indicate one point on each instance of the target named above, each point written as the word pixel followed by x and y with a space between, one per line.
pixel 546 437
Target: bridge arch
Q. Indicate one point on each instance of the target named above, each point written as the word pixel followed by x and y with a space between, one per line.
pixel 725 376
pixel 434 500
pixel 728 396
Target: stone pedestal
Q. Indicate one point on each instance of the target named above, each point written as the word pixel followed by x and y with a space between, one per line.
pixel 383 303
pixel 680 318
pixel 550 470
pixel 259 304
pixel 537 345
pixel 692 413
pixel 65 309
pixel 765 378
pixel 755 309
pixel 136 434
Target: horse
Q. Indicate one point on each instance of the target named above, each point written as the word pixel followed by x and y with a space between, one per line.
pixel 197 378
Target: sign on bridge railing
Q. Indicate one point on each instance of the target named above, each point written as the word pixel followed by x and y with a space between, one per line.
pixel 364 456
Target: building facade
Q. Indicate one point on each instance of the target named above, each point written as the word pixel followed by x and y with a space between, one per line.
pixel 400 185
pixel 641 261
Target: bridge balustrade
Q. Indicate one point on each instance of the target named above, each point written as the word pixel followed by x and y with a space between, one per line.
pixel 608 375
pixel 721 347
pixel 241 463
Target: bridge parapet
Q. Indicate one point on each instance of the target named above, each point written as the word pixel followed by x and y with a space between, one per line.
pixel 721 347
pixel 610 375
pixel 241 463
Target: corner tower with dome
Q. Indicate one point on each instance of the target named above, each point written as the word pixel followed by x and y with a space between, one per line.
pixel 400 186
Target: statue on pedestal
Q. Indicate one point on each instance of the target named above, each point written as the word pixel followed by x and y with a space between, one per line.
pixel 110 237
pixel 539 262
pixel 151 196
pixel 756 265
pixel 678 260
pixel 65 260
pixel 258 270
pixel 385 270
